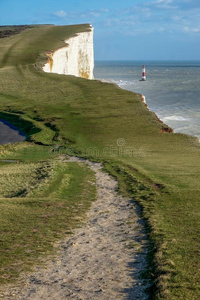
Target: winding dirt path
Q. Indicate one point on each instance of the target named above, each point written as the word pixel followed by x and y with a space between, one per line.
pixel 102 260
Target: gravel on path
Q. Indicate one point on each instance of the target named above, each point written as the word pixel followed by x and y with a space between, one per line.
pixel 103 259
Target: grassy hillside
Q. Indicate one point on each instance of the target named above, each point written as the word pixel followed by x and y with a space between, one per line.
pixel 103 122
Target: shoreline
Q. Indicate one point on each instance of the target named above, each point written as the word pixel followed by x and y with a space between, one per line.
pixel 167 128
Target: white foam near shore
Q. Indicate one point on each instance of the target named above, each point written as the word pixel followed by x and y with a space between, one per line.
pixel 175 118
pixel 124 82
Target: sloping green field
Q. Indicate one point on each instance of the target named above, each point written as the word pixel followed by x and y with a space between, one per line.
pixel 103 122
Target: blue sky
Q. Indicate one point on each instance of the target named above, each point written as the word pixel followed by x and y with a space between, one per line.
pixel 125 29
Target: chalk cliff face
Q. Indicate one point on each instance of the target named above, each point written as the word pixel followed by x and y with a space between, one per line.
pixel 77 58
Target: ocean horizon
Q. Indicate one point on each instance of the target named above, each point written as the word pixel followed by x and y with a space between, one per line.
pixel 172 88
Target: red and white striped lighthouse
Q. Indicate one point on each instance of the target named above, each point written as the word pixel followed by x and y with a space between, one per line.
pixel 143 73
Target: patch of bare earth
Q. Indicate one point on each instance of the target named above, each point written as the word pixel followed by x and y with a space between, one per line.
pixel 102 260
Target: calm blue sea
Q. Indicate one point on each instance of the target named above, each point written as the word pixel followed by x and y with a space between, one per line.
pixel 172 89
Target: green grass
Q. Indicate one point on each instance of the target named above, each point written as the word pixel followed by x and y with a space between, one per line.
pixel 34 214
pixel 87 118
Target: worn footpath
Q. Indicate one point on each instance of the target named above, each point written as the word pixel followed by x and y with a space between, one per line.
pixel 102 260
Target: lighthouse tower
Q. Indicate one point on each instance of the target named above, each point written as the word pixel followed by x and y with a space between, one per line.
pixel 143 73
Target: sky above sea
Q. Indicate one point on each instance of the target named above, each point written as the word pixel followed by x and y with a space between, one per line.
pixel 124 30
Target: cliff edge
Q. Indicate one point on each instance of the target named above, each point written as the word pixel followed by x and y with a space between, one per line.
pixel 77 58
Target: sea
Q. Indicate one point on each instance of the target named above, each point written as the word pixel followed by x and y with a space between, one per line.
pixel 172 89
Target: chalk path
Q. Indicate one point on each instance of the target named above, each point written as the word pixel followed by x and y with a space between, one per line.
pixel 102 260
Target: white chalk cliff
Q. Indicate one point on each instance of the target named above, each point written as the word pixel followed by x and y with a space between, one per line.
pixel 77 58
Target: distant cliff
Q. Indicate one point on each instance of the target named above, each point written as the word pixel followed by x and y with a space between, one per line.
pixel 77 58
